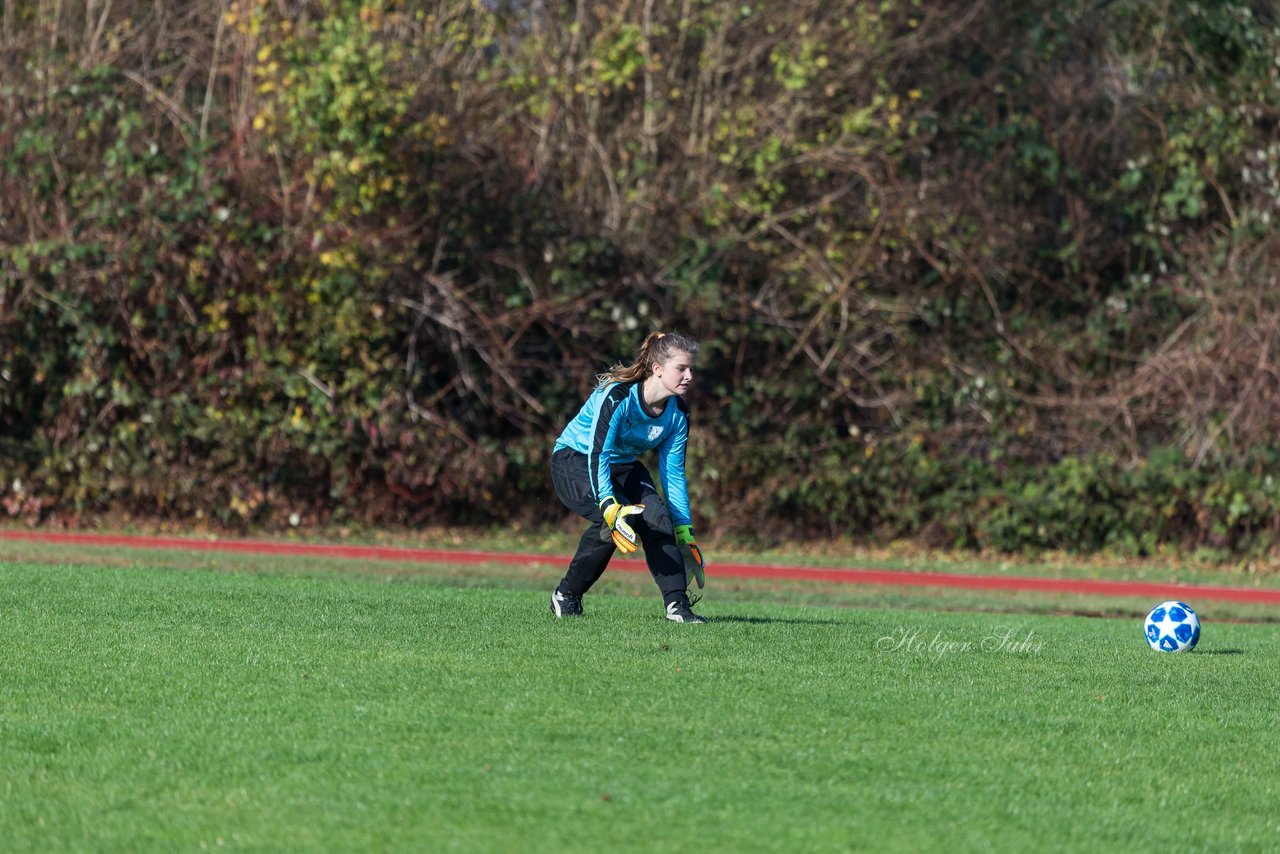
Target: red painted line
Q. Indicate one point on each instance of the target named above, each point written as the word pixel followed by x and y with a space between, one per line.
pixel 851 575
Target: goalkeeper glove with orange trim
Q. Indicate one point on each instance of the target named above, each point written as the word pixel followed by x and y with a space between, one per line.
pixel 615 516
pixel 693 563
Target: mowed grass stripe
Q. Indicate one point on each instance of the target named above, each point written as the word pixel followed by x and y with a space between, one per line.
pixel 721 589
pixel 154 710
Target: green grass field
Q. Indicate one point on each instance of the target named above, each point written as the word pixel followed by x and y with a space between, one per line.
pixel 144 708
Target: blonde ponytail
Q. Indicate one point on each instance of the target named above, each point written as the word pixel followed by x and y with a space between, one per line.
pixel 656 347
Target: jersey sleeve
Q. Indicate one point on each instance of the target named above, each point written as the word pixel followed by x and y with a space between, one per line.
pixel 604 432
pixel 671 465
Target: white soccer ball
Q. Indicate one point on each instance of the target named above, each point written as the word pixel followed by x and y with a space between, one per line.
pixel 1172 627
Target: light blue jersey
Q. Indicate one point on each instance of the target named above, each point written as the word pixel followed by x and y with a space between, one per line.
pixel 612 427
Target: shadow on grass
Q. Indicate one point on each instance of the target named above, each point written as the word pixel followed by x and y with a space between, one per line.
pixel 764 620
pixel 1221 652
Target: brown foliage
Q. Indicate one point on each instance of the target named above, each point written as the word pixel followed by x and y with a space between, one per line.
pixel 1032 228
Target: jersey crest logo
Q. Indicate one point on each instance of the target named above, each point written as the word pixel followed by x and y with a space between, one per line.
pixel 654 432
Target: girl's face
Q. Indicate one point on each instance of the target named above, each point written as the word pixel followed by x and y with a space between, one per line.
pixel 676 373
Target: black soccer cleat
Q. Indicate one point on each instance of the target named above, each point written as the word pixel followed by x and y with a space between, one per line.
pixel 680 612
pixel 566 604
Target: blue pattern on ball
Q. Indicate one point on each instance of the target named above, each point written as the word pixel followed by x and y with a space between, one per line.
pixel 1172 627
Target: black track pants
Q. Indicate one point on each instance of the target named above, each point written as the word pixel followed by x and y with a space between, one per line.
pixel 632 484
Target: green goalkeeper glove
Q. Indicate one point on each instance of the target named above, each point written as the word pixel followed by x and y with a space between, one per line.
pixel 693 564
pixel 615 516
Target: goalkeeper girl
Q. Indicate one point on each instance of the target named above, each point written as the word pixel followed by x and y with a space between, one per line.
pixel 596 473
